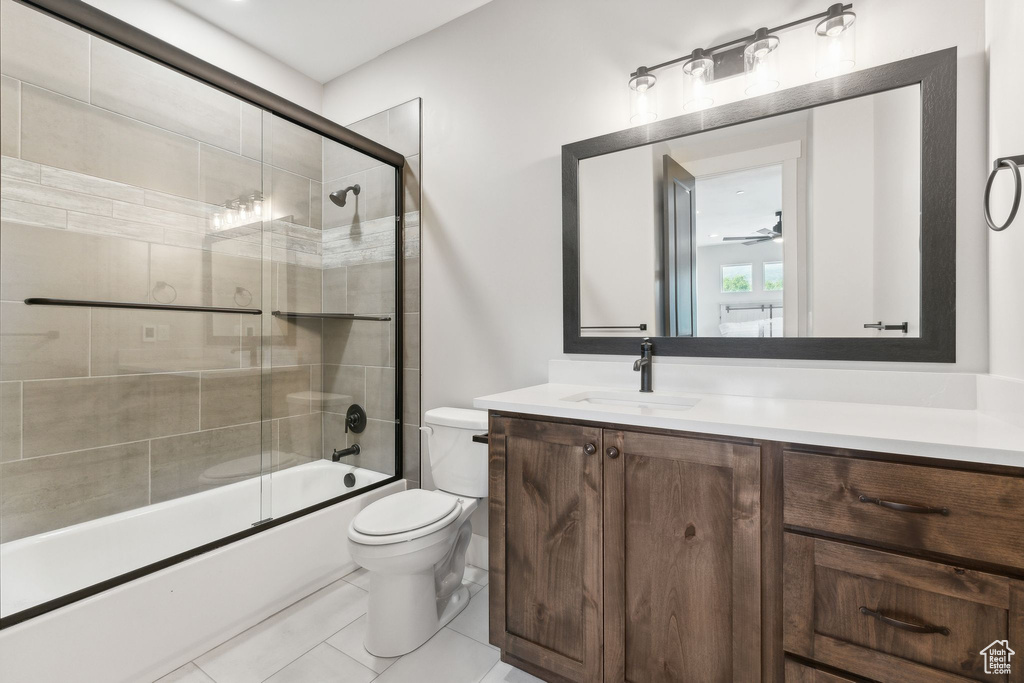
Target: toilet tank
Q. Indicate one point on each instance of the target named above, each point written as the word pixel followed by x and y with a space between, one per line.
pixel 457 463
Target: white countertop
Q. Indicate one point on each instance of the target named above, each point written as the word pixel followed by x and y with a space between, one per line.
pixel 953 434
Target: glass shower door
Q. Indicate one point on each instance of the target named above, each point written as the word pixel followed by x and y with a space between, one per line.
pixel 131 285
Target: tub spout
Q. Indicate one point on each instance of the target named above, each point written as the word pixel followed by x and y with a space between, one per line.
pixel 351 450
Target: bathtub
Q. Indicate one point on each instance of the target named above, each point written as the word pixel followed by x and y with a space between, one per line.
pixel 144 628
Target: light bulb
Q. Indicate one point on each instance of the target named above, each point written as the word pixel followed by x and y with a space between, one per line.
pixel 760 62
pixel 643 97
pixel 698 73
pixel 836 50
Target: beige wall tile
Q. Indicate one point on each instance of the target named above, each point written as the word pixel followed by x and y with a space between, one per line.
pixel 411 179
pixel 411 396
pixel 87 184
pixel 290 197
pixel 115 227
pixel 356 342
pixel 43 51
pixel 10 421
pixel 297 288
pixel 404 128
pixel 225 177
pixel 299 440
pixel 411 341
pixel 44 195
pixel 190 463
pixel 137 213
pixel 371 288
pixel 294 149
pixel 341 161
pixel 126 342
pixel 412 285
pixel 42 494
pixel 39 262
pixel 63 415
pixel 10 117
pixel 204 278
pixel 40 342
pixel 63 132
pixel 380 393
pixel 343 385
pixel 33 214
pixel 411 453
pixel 316 205
pixel 142 89
pixel 290 391
pixel 20 170
pixel 230 397
pixel 295 341
pixel 335 290
pixel 252 131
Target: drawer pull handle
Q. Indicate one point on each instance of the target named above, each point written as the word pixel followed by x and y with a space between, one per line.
pixel 905 625
pixel 903 507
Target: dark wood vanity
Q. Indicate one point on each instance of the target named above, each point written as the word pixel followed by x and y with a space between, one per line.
pixel 644 555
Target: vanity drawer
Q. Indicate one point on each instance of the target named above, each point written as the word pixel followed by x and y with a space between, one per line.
pixel 955 513
pixel 798 672
pixel 890 617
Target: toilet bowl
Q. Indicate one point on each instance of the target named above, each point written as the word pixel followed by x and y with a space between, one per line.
pixel 413 543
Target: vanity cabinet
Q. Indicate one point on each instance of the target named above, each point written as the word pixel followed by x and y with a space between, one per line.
pixel 622 555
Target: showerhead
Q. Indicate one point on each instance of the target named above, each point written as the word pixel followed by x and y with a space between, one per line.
pixel 339 196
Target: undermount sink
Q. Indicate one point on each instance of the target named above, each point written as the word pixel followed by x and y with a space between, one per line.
pixel 634 399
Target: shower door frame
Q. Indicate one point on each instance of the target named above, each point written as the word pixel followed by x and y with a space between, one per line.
pixel 105 26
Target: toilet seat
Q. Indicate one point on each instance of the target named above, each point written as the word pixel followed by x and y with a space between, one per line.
pixel 404 516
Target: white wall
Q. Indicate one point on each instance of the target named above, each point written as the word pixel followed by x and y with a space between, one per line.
pixel 505 86
pixel 617 241
pixel 1005 28
pixel 185 30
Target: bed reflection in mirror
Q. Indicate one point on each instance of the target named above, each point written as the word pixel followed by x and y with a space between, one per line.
pixel 805 224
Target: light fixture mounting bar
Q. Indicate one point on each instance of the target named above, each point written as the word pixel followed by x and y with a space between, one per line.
pixel 740 41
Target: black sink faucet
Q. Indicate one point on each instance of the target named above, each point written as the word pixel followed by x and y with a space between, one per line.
pixel 643 365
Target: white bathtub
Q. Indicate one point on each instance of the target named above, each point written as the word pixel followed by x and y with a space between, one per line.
pixel 144 628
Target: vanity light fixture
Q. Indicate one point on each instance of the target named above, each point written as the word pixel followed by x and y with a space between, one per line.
pixel 643 98
pixel 699 71
pixel 836 51
pixel 754 55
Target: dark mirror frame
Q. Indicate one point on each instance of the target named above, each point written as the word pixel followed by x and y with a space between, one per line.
pixel 935 73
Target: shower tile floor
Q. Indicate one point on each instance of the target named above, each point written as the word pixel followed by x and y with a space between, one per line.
pixel 320 639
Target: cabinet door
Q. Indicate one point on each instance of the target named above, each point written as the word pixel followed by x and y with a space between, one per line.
pixel 545 545
pixel 682 559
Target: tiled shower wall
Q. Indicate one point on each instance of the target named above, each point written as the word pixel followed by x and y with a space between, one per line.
pixel 359 259
pixel 113 168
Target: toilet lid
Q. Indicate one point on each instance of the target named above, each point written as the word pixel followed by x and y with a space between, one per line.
pixel 405 511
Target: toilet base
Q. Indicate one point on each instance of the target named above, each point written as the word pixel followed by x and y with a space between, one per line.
pixel 399 619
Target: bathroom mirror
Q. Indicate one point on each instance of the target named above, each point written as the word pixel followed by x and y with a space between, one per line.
pixel 816 222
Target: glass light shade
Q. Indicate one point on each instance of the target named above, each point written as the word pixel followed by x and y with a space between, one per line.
pixel 761 63
pixel 643 98
pixel 836 49
pixel 698 73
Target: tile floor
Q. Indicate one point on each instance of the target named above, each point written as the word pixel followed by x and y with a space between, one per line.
pixel 320 639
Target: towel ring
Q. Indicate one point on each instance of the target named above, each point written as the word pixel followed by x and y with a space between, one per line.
pixel 1012 163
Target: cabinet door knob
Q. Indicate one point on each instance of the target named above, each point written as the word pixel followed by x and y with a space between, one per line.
pixel 590 449
pixel 613 452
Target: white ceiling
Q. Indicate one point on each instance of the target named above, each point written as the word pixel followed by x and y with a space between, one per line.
pixel 326 38
pixel 724 213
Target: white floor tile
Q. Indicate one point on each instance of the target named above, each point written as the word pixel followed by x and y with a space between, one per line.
pixel 266 648
pixel 190 673
pixel 472 621
pixel 448 657
pixel 359 577
pixel 323 663
pixel 474 588
pixel 476 575
pixel 505 673
pixel 350 641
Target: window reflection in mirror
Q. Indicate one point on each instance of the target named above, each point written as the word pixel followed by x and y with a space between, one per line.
pixel 805 224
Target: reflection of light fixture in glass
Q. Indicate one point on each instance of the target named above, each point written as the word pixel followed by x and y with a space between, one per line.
pixel 643 98
pixel 238 212
pixel 760 63
pixel 836 49
pixel 699 71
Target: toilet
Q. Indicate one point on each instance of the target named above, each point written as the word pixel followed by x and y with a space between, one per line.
pixel 413 543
